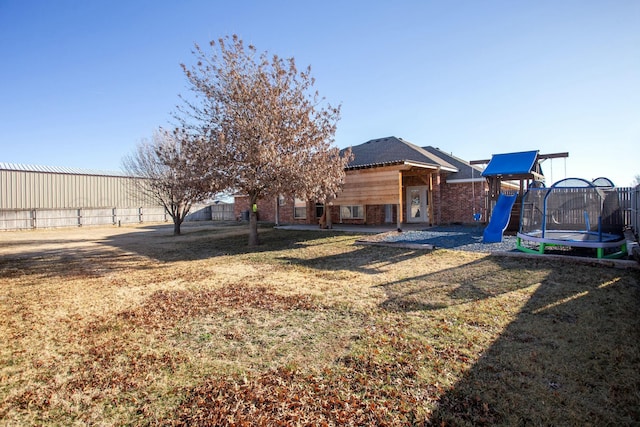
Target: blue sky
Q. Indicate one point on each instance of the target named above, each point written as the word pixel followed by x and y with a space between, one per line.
pixel 82 82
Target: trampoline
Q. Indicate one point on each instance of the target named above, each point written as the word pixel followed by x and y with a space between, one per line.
pixel 573 213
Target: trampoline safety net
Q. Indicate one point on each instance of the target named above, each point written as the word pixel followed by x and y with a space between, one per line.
pixel 566 206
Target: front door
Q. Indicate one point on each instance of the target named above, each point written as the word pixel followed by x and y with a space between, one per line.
pixel 417 204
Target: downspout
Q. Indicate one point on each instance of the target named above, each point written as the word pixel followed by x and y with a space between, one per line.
pixel 438 221
pixel 400 201
pixel 430 200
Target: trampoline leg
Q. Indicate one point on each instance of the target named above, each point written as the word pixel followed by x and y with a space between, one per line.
pixel 541 248
pixel 620 254
pixel 600 252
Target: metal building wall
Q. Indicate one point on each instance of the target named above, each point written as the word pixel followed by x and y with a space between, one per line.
pixel 25 189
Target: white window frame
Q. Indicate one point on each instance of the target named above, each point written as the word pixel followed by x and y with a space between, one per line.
pixel 347 212
pixel 299 204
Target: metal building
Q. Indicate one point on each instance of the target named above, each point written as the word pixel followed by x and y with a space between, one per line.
pixel 41 196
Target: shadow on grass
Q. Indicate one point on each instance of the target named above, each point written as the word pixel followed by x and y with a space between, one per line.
pixel 473 281
pixel 133 248
pixel 208 242
pixel 569 358
pixel 197 243
pixel 90 252
pixel 140 247
pixel 363 259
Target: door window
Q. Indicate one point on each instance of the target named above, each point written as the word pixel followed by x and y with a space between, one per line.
pixel 417 206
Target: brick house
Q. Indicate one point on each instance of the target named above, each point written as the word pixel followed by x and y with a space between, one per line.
pixel 390 181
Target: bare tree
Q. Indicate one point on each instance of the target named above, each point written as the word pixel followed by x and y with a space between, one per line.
pixel 264 124
pixel 170 167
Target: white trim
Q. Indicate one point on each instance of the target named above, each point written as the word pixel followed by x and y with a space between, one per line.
pixel 350 209
pixel 434 167
pixel 464 181
pixel 300 206
pixel 469 180
pixel 424 203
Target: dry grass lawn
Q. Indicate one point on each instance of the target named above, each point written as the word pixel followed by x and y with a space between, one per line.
pixel 132 326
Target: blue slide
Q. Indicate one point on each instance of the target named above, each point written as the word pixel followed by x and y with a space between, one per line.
pixel 499 219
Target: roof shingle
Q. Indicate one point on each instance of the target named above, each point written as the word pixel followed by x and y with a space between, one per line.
pixel 466 171
pixel 392 150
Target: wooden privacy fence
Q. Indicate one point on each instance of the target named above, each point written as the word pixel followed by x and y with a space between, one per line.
pixel 222 212
pixel 25 219
pixel 630 206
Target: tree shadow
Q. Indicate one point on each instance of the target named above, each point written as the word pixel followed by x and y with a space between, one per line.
pixel 137 248
pixel 364 259
pixel 66 263
pixel 569 358
pixel 472 281
pixel 204 242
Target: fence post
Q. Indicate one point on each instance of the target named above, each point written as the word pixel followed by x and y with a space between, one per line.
pixel 635 210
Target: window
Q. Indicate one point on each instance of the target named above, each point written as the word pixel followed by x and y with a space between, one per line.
pixel 352 212
pixel 281 200
pixel 299 209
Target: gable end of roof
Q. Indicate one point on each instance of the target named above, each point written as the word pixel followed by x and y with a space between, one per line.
pixel 392 150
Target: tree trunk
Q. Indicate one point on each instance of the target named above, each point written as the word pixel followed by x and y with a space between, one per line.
pixel 178 214
pixel 174 213
pixel 177 222
pixel 253 228
pixel 253 221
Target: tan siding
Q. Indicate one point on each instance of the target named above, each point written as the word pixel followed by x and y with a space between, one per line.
pixel 376 186
pixel 12 188
pixel 45 190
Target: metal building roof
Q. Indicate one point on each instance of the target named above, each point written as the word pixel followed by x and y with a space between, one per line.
pixel 56 169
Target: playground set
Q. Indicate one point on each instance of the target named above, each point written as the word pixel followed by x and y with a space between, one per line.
pixel 571 213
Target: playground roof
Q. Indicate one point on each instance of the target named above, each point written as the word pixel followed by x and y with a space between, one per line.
pixel 511 164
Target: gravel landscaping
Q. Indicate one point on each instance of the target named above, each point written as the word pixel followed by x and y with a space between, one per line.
pixel 459 237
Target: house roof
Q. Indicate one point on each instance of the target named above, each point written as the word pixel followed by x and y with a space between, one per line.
pixel 466 172
pixel 511 164
pixel 392 151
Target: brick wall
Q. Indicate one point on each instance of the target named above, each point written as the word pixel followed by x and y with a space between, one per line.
pixel 267 210
pixel 437 200
pixel 240 204
pixel 374 214
pixel 450 203
pixel 458 202
pixel 459 205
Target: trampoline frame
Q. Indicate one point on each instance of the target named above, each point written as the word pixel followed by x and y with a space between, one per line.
pixel 545 237
pixel 600 246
